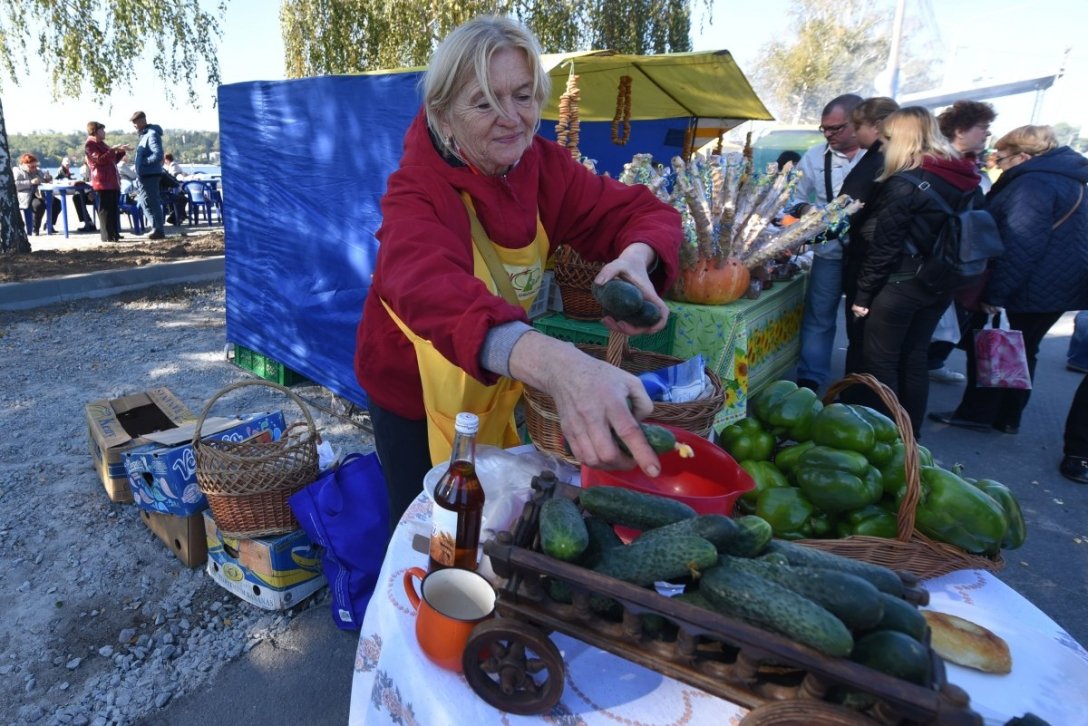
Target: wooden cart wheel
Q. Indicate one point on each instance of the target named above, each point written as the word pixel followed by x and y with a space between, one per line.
pixel 514 667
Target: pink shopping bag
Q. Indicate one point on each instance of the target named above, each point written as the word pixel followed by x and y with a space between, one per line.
pixel 1001 360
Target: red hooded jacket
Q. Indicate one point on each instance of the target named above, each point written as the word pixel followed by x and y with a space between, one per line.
pixel 102 161
pixel 424 265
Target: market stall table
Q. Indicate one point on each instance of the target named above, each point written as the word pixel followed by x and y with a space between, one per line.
pixel 748 343
pixel 394 683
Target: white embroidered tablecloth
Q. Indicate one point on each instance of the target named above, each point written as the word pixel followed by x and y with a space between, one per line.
pixel 394 683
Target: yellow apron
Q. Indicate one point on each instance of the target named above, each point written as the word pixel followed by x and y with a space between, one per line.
pixel 448 390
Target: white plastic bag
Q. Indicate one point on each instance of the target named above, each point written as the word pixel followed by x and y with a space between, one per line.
pixel 506 476
pixel 948 327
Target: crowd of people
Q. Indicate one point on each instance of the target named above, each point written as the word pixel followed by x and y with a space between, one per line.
pixel 902 163
pixel 109 174
pixel 479 201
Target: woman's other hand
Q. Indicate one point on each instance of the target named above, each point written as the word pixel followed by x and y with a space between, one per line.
pixel 633 265
pixel 592 400
pixel 989 309
pixel 859 311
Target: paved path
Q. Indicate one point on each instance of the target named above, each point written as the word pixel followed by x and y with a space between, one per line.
pixel 51 290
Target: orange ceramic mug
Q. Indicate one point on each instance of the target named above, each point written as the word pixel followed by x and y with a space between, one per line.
pixel 450 603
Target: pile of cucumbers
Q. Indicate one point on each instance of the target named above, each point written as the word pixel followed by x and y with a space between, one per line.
pixel 838 606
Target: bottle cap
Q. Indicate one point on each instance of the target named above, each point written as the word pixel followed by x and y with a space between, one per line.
pixel 467 423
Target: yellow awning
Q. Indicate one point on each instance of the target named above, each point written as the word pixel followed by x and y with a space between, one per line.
pixel 707 84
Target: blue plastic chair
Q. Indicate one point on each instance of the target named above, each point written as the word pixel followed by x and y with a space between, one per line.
pixel 135 214
pixel 28 220
pixel 200 199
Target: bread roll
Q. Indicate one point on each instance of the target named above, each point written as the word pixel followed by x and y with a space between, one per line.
pixel 967 644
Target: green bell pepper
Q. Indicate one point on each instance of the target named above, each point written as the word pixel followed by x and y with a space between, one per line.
pixel 881 453
pixel 760 405
pixel 746 440
pixel 953 511
pixel 883 427
pixel 822 525
pixel 1016 532
pixel 787 458
pixel 838 490
pixel 787 511
pixel 793 414
pixel 766 476
pixel 892 473
pixel 872 520
pixel 840 426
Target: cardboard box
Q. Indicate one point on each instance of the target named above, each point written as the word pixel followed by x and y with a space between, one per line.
pixel 184 536
pixel 116 425
pixel 273 573
pixel 162 472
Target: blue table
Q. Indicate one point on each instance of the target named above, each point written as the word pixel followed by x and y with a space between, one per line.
pixel 64 189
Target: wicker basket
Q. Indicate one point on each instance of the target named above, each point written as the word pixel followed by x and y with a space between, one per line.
pixel 247 483
pixel 911 551
pixel 574 276
pixel 542 420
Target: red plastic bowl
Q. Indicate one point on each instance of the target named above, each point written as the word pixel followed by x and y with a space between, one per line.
pixel 710 482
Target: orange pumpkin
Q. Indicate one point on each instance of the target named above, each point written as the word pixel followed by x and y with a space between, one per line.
pixel 711 281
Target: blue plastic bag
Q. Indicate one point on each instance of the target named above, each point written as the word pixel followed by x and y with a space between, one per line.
pixel 346 511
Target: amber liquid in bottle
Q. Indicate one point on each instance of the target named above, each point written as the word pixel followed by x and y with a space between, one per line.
pixel 461 497
pixel 458 506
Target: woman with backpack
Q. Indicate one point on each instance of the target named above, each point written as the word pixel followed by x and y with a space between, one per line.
pixel 900 310
pixel 1040 208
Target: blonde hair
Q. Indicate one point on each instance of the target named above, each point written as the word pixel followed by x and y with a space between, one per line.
pixel 912 133
pixel 465 56
pixel 1030 140
pixel 873 111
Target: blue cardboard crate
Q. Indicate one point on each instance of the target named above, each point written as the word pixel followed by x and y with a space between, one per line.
pixel 162 476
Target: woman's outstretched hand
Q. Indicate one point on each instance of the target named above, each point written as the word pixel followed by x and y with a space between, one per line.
pixel 593 400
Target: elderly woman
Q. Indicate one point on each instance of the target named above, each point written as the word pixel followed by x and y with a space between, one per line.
pixel 440 333
pixel 900 310
pixel 105 180
pixel 28 180
pixel 1039 206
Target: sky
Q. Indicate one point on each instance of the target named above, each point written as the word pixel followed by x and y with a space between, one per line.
pixel 980 42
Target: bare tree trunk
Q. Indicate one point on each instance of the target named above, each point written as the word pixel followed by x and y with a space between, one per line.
pixel 12 230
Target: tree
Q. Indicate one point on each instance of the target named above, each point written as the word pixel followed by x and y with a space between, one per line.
pixel 348 36
pixel 90 45
pixel 840 47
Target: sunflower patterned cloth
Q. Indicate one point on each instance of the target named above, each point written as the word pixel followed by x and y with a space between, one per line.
pixel 748 343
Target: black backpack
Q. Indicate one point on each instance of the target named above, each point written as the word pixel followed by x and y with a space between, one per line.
pixel 964 245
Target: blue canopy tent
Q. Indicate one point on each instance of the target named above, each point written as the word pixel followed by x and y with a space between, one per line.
pixel 305 164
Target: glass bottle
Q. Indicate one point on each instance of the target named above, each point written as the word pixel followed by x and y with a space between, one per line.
pixel 458 503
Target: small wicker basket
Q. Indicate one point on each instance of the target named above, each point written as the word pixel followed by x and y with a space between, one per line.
pixel 542 419
pixel 574 276
pixel 247 483
pixel 911 551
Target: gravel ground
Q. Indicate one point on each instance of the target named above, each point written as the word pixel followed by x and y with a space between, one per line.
pixel 102 624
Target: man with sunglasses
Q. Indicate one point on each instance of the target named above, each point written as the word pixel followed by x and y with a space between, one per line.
pixel 823 168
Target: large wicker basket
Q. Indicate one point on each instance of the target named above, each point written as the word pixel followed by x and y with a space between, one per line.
pixel 542 419
pixel 247 483
pixel 574 276
pixel 911 551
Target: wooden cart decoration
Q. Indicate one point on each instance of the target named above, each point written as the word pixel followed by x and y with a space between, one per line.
pixel 513 665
